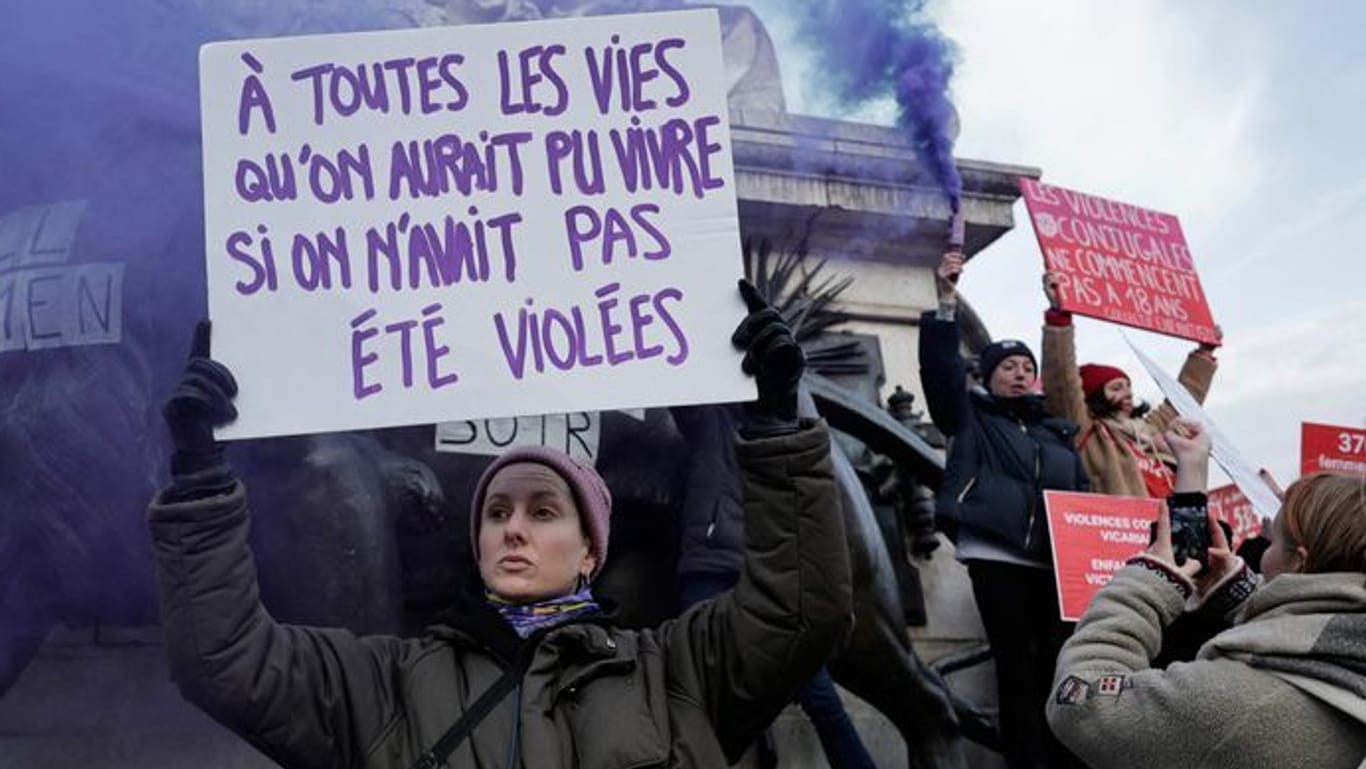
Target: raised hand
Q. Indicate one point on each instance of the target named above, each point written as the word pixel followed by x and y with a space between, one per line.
pixel 947 273
pixel 1221 561
pixel 1210 347
pixel 1051 290
pixel 1188 440
pixel 201 401
pixel 772 357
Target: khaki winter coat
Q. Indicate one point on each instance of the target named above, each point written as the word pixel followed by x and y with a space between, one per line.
pixel 692 692
pixel 1282 688
pixel 1108 446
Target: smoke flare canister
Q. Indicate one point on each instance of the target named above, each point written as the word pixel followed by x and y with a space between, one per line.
pixel 957 230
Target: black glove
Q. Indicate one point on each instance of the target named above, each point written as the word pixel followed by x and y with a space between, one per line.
pixel 919 520
pixel 202 400
pixel 923 546
pixel 776 361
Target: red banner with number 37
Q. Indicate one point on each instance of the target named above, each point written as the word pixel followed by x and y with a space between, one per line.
pixel 1332 449
pixel 1119 262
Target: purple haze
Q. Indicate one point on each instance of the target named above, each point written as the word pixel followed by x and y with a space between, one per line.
pixel 101 105
pixel 869 49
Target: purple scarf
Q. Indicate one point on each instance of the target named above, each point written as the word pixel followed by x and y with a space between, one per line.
pixel 527 618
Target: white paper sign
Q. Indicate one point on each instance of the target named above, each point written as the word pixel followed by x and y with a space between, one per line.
pixel 469 222
pixel 1244 475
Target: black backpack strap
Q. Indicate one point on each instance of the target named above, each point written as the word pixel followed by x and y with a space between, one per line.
pixel 438 753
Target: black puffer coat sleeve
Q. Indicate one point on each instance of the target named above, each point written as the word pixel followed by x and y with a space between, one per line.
pixel 942 373
pixel 744 655
pixel 307 697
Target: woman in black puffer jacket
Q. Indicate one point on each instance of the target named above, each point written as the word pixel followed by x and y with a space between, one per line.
pixel 1004 451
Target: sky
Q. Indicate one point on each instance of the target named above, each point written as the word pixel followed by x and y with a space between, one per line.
pixel 1244 119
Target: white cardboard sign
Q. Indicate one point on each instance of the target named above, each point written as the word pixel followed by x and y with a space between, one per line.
pixel 469 222
pixel 1243 474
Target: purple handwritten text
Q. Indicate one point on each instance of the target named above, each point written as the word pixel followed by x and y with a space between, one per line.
pixel 634 232
pixel 603 333
pixel 627 73
pixel 405 85
pixel 442 252
pixel 524 77
pixel 399 337
pixel 435 167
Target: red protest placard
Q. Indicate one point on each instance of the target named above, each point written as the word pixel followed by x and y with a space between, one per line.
pixel 1093 535
pixel 1119 262
pixel 1230 505
pixel 1332 449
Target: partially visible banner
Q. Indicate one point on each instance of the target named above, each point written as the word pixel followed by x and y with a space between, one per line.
pixel 1230 505
pixel 46 299
pixel 1119 262
pixel 575 434
pixel 1332 449
pixel 1093 535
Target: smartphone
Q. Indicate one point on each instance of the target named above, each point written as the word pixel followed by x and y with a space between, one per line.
pixel 1190 533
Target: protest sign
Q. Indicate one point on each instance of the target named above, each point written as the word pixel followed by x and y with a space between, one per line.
pixel 1119 262
pixel 1332 449
pixel 1231 505
pixel 46 299
pixel 1093 535
pixel 468 222
pixel 1243 474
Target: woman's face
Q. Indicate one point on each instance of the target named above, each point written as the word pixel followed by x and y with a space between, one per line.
pixel 1012 377
pixel 1281 556
pixel 531 546
pixel 1119 394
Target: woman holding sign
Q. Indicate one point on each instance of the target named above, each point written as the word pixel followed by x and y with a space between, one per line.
pixel 529 672
pixel 1005 451
pixel 1285 686
pixel 1125 455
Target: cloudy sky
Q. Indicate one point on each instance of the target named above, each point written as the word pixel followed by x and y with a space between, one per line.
pixel 1245 119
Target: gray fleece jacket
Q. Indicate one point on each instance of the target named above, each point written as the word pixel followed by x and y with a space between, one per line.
pixel 1284 687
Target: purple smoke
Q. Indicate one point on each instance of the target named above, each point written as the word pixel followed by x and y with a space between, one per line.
pixel 100 208
pixel 870 49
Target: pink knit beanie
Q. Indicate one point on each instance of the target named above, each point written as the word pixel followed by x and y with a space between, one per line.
pixel 590 495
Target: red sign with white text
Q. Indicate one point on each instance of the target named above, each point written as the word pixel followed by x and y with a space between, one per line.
pixel 1093 535
pixel 1332 449
pixel 1119 262
pixel 1234 508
